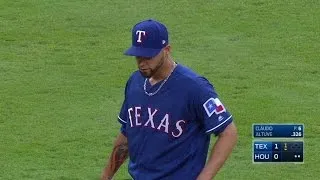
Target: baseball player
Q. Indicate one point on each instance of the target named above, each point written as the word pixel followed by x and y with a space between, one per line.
pixel 168 115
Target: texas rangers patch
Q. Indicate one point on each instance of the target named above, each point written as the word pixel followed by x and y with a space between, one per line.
pixel 213 105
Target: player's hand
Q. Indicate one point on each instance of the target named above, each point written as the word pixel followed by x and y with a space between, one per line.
pixel 204 177
pixel 106 178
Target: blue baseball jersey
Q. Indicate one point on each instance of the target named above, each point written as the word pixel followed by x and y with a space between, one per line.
pixel 169 133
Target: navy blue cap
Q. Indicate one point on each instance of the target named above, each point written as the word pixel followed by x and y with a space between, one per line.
pixel 148 39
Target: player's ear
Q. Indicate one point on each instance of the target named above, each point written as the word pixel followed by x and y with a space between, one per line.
pixel 167 49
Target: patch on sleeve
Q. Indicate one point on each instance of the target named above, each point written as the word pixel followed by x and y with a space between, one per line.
pixel 213 105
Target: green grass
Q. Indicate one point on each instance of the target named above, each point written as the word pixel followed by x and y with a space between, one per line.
pixel 63 72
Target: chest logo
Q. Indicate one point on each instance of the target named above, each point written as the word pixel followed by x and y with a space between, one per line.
pixel 155 121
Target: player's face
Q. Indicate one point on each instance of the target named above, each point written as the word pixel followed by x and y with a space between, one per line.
pixel 149 66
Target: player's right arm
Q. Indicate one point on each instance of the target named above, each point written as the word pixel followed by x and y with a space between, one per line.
pixel 120 147
pixel 118 156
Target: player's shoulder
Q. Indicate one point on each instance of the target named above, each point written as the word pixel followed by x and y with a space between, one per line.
pixel 134 76
pixel 192 78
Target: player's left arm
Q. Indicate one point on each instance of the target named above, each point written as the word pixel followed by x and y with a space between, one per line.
pixel 215 119
pixel 220 152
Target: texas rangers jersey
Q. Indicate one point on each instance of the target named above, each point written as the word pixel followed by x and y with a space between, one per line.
pixel 169 133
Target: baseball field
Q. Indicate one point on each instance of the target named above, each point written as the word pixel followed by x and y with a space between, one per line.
pixel 63 72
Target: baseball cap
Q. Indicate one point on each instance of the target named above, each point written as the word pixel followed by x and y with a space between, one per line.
pixel 148 38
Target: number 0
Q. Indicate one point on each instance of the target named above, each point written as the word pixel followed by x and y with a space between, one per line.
pixel 275 156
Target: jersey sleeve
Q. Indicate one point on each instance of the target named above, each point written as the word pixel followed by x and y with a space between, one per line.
pixel 122 118
pixel 123 115
pixel 211 112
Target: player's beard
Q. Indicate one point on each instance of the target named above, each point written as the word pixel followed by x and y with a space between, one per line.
pixel 153 71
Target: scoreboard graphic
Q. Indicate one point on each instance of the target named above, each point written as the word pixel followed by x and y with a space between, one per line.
pixel 274 143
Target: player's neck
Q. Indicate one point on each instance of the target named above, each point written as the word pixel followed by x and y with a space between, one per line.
pixel 164 72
